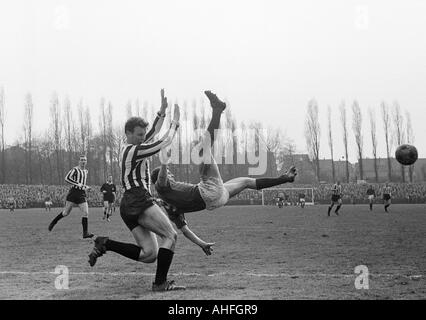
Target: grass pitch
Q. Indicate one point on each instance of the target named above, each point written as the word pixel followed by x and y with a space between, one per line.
pixel 260 253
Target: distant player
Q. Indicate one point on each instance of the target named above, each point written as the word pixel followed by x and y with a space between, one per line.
pixel 11 202
pixel 48 203
pixel 336 198
pixel 77 178
pixel 371 194
pixel 302 200
pixel 109 192
pixel 280 200
pixel 387 196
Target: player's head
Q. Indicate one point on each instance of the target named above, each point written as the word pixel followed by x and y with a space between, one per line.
pixel 155 173
pixel 82 161
pixel 338 183
pixel 135 130
pixel 109 180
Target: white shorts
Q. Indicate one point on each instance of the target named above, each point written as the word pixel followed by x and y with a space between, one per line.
pixel 302 200
pixel 371 197
pixel 213 192
pixel 48 203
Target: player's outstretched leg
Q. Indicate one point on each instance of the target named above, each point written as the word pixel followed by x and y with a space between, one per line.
pixel 62 214
pixel 337 209
pixel 237 185
pixel 329 209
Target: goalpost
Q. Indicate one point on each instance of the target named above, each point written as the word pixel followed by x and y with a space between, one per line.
pixel 291 194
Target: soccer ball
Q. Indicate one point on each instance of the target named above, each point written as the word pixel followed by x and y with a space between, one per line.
pixel 406 154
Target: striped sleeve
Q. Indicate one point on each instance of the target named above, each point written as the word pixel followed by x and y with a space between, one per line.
pixel 71 177
pixel 147 150
pixel 155 129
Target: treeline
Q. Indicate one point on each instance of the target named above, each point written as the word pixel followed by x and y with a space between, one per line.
pixel 45 157
pixel 397 130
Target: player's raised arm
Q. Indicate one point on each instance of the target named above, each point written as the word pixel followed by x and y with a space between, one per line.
pixel 159 119
pixel 147 150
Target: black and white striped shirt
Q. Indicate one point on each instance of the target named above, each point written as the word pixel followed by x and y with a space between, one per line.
pixel 134 166
pixel 337 190
pixel 77 178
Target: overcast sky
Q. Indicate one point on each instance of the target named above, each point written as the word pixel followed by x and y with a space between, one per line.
pixel 267 58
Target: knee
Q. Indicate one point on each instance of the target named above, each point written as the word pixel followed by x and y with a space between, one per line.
pixel 148 257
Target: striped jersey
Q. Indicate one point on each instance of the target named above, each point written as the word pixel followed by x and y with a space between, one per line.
pixel 336 190
pixel 134 159
pixel 77 178
pixel 387 190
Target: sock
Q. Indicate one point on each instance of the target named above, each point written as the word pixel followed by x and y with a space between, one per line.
pixel 329 209
pixel 127 250
pixel 105 212
pixel 386 207
pixel 57 218
pixel 338 207
pixel 263 183
pixel 164 260
pixel 84 222
pixel 214 124
pixel 371 206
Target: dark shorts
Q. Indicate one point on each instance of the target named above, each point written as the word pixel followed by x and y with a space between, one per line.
pixel 109 198
pixel 76 196
pixel 386 197
pixel 335 197
pixel 133 204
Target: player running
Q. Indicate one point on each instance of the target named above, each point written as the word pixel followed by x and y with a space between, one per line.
pixel 280 200
pixel 48 204
pixel 387 196
pixel 138 210
pixel 371 194
pixel 210 193
pixel 302 200
pixel 109 193
pixel 336 198
pixel 77 178
pixel 11 202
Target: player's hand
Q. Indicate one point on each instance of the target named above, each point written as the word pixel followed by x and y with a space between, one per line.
pixel 164 104
pixel 291 173
pixel 176 114
pixel 87 188
pixel 207 248
pixel 104 191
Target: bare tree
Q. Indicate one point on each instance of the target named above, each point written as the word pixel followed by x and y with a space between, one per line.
pixel 103 132
pixel 55 116
pixel 399 134
pixel 110 138
pixel 387 127
pixel 68 129
pixel 357 128
pixel 330 143
pixel 28 124
pixel 373 135
pixel 313 134
pixel 3 160
pixel 343 120
pixel 410 139
pixel 129 109
pixel 82 128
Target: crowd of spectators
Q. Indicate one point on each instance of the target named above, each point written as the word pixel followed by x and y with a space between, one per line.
pixel 32 196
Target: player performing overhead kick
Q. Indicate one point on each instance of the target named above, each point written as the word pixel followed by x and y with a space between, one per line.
pixel 210 193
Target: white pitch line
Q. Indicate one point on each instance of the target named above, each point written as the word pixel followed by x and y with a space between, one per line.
pixel 229 274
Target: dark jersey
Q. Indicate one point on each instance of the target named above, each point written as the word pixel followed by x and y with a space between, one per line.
pixel 185 197
pixel 177 217
pixel 301 196
pixel 109 188
pixel 371 192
